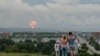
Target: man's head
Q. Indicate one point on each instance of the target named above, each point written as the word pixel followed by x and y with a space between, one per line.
pixel 70 33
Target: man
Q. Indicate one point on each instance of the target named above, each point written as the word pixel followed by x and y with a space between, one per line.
pixel 71 41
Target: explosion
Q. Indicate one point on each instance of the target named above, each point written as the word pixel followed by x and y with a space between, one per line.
pixel 33 24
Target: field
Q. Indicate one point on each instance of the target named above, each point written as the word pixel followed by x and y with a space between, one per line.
pixel 19 54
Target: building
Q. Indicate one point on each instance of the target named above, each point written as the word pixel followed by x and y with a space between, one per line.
pixel 5 35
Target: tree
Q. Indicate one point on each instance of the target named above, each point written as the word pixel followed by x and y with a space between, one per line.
pixel 96 54
pixel 83 50
pixel 97 46
pixel 92 41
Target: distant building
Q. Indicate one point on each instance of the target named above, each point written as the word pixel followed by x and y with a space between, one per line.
pixel 96 36
pixel 45 36
pixel 5 35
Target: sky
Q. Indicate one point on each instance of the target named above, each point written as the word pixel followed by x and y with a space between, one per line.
pixel 81 15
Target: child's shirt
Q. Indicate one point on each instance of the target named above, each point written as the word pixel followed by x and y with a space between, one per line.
pixel 57 47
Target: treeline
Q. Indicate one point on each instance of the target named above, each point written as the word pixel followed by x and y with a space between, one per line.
pixel 7 45
pixel 94 44
pixel 83 51
pixel 45 48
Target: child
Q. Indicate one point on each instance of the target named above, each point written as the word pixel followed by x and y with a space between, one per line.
pixel 57 48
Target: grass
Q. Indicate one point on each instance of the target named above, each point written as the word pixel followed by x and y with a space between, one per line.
pixel 19 54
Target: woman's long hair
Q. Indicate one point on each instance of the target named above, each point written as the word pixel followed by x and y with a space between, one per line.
pixel 64 36
pixel 64 39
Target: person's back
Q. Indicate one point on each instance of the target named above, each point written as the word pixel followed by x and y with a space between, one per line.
pixel 72 39
pixel 64 42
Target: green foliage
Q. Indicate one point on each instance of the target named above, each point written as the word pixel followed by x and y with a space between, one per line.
pixel 43 47
pixel 52 54
pixel 84 46
pixel 95 44
pixel 92 41
pixel 26 55
pixel 84 54
pixel 27 46
pixel 83 50
pixel 5 44
pixel 2 47
pixel 11 49
pixel 96 54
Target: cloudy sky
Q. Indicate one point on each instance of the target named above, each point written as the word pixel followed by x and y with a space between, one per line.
pixel 55 14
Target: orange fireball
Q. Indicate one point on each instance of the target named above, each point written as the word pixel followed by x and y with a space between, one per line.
pixel 33 24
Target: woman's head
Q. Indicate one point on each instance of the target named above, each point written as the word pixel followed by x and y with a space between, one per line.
pixel 64 39
pixel 64 36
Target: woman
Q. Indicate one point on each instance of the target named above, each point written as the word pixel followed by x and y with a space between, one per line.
pixel 64 42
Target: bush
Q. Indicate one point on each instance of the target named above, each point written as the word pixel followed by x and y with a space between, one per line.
pixel 11 49
pixel 52 54
pixel 27 46
pixel 46 48
pixel 84 46
pixel 96 54
pixel 84 54
pixel 97 46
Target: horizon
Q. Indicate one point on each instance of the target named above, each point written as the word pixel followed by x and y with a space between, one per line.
pixel 39 30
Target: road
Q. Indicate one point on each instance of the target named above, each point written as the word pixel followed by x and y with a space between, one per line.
pixel 91 49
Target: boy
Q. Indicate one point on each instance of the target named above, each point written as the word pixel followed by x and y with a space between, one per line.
pixel 57 48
